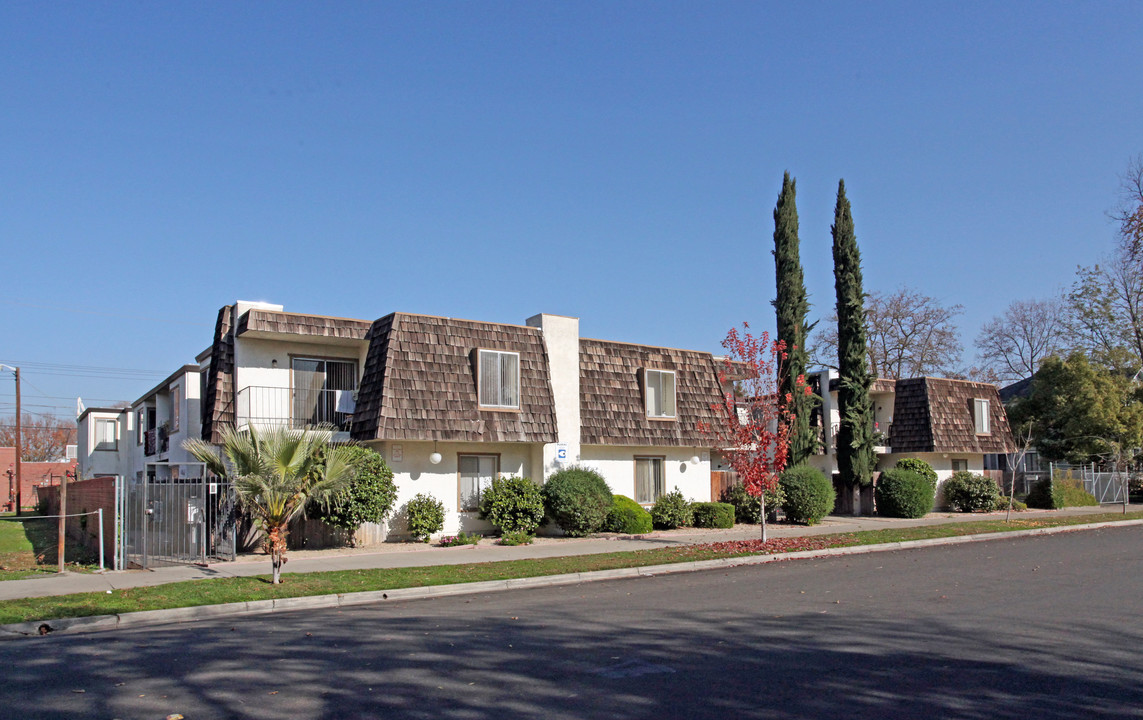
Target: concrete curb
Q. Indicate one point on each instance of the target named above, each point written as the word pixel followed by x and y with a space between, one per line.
pixel 97 623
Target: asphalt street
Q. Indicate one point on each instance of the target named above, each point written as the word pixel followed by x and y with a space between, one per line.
pixel 1043 627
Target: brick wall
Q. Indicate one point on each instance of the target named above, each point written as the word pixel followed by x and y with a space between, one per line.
pixel 87 496
pixel 32 474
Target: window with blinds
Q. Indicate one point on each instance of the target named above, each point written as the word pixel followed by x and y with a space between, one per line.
pixel 499 379
pixel 659 390
pixel 106 434
pixel 319 387
pixel 981 417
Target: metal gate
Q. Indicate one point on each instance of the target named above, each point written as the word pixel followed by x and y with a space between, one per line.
pixel 176 513
pixel 1107 487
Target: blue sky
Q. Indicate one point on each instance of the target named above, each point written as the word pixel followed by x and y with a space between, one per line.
pixel 615 161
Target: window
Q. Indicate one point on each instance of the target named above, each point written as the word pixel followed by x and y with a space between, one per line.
pixel 958 465
pixel 140 431
pixel 649 483
pixel 499 379
pixel 106 434
pixel 660 393
pixel 322 391
pixel 176 411
pixel 476 473
pixel 980 416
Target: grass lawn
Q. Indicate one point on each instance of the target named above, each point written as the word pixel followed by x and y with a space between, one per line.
pixel 227 590
pixel 29 548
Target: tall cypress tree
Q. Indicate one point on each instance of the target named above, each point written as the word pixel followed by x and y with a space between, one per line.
pixel 792 307
pixel 855 456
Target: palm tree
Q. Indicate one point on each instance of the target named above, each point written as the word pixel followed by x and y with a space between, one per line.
pixel 275 473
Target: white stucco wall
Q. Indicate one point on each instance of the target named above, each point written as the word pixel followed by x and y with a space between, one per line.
pixel 617 465
pixel 414 474
pixel 254 362
pixel 103 462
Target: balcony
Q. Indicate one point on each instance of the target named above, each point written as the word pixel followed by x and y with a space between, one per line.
pixel 150 442
pixel 266 407
pixel 882 448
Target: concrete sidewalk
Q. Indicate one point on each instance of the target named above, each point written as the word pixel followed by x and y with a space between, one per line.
pixel 421 555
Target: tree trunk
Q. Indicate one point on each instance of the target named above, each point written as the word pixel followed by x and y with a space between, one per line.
pixel 856 498
pixel 762 517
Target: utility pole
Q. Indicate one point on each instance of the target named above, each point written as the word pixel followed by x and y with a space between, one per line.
pixel 63 521
pixel 19 450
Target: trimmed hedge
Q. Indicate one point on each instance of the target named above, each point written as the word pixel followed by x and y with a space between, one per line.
pixel 578 500
pixel 969 492
pixel 627 516
pixel 513 504
pixel 809 496
pixel 713 515
pixel 904 493
pixel 671 510
pixel 920 467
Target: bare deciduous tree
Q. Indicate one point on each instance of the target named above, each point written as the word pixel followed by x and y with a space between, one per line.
pixel 1014 344
pixel 1104 318
pixel 1129 214
pixel 44 437
pixel 908 334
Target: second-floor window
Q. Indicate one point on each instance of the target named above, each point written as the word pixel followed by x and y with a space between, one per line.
pixel 323 391
pixel 176 410
pixel 499 379
pixel 106 434
pixel 659 391
pixel 980 417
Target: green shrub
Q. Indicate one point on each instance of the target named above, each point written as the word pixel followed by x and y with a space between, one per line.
pixel 1076 496
pixel 577 499
pixel 1046 495
pixel 513 503
pixel 461 538
pixel 1053 495
pixel 425 515
pixel 713 515
pixel 920 467
pixel 969 492
pixel 809 496
pixel 904 493
pixel 671 510
pixel 747 508
pixel 627 516
pixel 515 537
pixel 1002 504
pixel 368 498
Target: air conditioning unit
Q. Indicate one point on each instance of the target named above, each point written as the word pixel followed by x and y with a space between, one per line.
pixel 72 452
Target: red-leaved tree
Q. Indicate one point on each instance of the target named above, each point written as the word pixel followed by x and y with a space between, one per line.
pixel 753 429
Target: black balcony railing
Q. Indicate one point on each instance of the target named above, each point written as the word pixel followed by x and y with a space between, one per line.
pixel 150 442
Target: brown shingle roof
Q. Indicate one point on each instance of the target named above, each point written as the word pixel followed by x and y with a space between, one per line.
pixel 299 324
pixel 612 410
pixel 218 404
pixel 936 415
pixel 419 382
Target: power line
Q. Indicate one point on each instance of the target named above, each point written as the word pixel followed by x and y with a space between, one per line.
pixel 84 370
pixel 106 314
